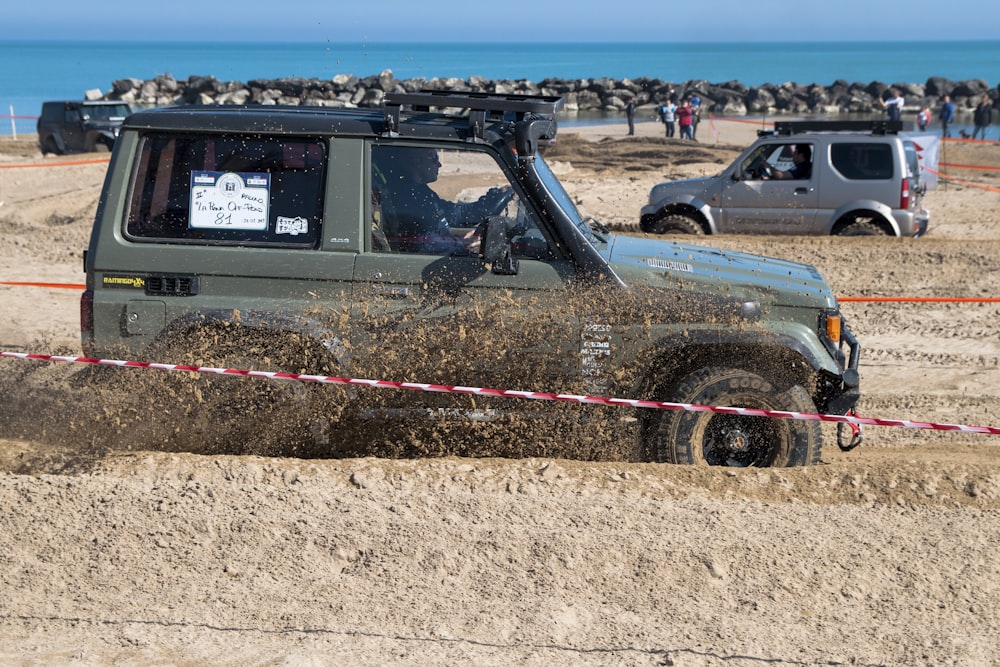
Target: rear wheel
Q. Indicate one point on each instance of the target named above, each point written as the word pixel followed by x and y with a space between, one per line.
pixel 49 146
pixel 677 224
pixel 709 438
pixel 237 414
pixel 861 228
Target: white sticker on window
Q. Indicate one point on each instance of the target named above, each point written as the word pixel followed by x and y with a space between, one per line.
pixel 229 200
pixel 293 226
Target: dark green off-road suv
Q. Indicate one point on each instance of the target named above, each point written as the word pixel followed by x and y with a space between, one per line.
pixel 73 126
pixel 429 241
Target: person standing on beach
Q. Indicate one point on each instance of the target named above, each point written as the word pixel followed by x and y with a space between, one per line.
pixel 630 116
pixel 893 106
pixel 982 117
pixel 684 119
pixel 946 115
pixel 923 119
pixel 668 113
pixel 695 115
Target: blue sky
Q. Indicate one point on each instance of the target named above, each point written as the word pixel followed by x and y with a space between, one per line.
pixel 539 21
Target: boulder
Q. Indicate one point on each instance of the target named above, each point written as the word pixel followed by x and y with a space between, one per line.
pixel 727 98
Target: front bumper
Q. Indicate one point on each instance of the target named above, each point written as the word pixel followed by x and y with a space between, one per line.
pixel 844 397
pixel 913 224
pixel 920 222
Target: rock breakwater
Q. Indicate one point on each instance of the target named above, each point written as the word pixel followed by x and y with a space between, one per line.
pixel 730 98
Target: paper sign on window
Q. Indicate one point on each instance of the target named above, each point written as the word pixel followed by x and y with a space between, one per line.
pixel 229 200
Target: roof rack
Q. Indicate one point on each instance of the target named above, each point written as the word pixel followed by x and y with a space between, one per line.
pixel 878 127
pixel 481 106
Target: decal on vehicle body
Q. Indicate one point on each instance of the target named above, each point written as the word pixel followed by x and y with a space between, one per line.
pixel 293 226
pixel 123 282
pixel 669 264
pixel 595 350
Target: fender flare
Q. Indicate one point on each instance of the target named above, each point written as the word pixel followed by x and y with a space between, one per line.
pixel 682 204
pixel 693 346
pixel 60 143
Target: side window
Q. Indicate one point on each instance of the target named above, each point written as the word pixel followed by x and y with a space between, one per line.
pixel 434 201
pixel 782 158
pixel 228 190
pixel 795 160
pixel 862 161
pixel 52 113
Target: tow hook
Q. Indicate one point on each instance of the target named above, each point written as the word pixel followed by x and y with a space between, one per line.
pixel 856 435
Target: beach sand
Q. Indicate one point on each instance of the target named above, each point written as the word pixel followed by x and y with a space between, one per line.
pixel 884 555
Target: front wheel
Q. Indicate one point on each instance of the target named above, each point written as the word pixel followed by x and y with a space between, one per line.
pixel 677 224
pixel 708 438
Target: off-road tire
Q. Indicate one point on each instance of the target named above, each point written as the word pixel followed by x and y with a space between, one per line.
pixel 50 146
pixel 233 414
pixel 708 438
pixel 861 228
pixel 677 224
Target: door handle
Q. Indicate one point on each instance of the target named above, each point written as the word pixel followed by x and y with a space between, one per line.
pixel 802 191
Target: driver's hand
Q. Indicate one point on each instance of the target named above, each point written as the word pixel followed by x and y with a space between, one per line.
pixel 472 239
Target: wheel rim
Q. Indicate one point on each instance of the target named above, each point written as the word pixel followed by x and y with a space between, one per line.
pixel 739 441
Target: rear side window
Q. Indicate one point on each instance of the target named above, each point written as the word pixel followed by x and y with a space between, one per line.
pixel 53 112
pixel 228 190
pixel 863 161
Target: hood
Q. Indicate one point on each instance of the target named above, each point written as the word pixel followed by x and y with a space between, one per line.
pixel 688 186
pixel 654 263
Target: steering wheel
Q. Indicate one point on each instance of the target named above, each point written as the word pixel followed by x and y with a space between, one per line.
pixel 497 200
pixel 766 170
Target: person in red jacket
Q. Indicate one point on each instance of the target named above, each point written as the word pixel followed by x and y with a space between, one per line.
pixel 684 119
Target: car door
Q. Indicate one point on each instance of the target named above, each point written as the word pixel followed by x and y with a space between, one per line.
pixel 436 312
pixel 73 134
pixel 754 203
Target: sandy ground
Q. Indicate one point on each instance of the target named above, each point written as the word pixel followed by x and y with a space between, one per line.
pixel 885 555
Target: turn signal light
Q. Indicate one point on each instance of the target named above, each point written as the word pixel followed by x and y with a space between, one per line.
pixel 833 327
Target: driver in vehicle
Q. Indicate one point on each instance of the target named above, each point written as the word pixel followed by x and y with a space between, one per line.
pixel 415 217
pixel 801 167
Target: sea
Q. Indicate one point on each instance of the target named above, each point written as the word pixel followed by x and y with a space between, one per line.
pixel 34 71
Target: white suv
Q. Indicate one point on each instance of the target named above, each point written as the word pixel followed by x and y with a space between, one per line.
pixel 858 181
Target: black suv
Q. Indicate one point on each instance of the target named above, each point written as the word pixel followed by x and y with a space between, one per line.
pixel 74 126
pixel 429 241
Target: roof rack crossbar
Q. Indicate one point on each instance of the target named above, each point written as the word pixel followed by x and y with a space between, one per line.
pixel 878 127
pixel 481 106
pixel 488 102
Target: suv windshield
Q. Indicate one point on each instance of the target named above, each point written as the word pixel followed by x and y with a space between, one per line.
pixel 563 200
pixel 105 111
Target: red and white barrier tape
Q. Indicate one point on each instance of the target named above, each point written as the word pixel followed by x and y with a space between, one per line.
pixel 508 393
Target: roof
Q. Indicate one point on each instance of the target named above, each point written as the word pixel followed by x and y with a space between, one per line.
pixel 478 113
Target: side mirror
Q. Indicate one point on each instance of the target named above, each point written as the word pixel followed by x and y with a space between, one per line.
pixel 496 248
